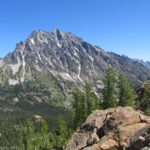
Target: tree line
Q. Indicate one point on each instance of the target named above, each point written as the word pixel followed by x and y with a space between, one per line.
pixel 116 92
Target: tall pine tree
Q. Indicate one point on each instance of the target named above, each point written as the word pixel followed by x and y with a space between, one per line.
pixel 143 99
pixel 90 97
pixel 125 92
pixel 109 92
pixel 80 108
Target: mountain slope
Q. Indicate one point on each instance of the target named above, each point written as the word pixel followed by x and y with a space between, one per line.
pixel 66 60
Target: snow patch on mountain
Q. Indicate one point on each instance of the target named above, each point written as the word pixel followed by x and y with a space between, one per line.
pixel 32 41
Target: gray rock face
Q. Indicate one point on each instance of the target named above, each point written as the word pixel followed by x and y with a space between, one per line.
pixel 67 57
pixel 145 63
pixel 113 128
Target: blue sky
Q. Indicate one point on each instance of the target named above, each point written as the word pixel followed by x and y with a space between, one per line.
pixel 121 26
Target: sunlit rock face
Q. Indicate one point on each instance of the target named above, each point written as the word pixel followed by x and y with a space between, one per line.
pixel 113 128
pixel 67 58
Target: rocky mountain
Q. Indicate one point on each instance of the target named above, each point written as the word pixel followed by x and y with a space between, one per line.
pixel 68 56
pixel 62 60
pixel 120 128
pixel 145 63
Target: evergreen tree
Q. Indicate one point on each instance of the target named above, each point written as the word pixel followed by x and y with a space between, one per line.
pixel 43 127
pixel 109 92
pixel 30 127
pixel 143 98
pixel 125 92
pixel 72 116
pixel 92 100
pixel 62 131
pixel 52 140
pixel 80 108
pixel 25 140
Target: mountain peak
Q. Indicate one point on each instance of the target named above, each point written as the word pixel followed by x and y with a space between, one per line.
pixel 37 37
pixel 58 34
pixel 56 30
pixel 37 32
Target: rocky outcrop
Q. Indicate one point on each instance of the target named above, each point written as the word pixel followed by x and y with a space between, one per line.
pixel 114 128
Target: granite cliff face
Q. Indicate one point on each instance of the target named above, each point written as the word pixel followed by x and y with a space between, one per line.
pixel 112 129
pixel 65 56
pixel 67 60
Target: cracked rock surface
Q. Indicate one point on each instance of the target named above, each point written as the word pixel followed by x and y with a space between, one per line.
pixel 112 129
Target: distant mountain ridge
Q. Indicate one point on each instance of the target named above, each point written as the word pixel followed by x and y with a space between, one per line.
pixel 68 59
pixel 145 63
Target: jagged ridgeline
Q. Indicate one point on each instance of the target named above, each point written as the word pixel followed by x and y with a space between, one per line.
pixel 47 66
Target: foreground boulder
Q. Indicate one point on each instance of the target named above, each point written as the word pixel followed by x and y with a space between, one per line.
pixel 112 129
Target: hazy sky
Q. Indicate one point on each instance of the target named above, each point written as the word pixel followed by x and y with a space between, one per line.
pixel 121 26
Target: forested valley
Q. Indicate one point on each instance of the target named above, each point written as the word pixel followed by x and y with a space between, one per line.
pixel 44 126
